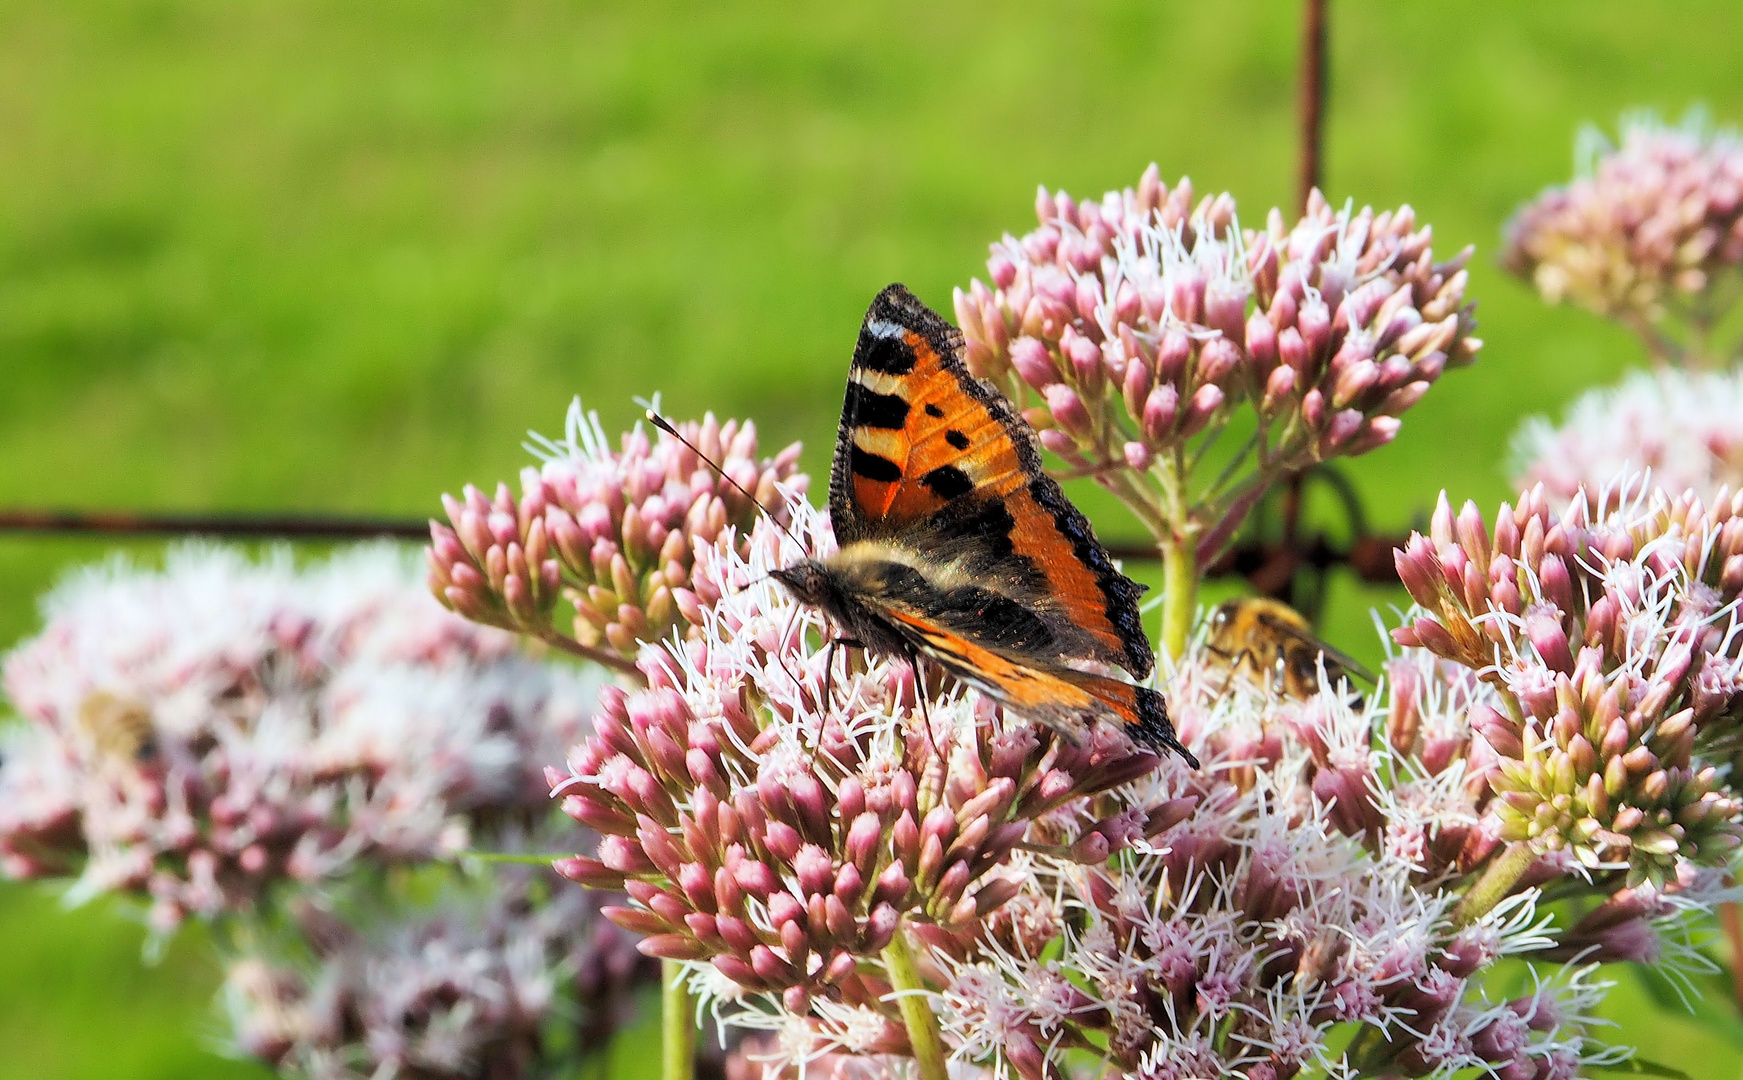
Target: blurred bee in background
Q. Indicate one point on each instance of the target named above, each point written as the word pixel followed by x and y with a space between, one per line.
pixel 117 729
pixel 1274 646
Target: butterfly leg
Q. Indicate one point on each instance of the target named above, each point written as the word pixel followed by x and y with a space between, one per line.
pixel 828 682
pixel 829 665
pixel 920 695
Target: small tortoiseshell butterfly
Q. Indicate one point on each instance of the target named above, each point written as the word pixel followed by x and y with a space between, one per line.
pixel 955 545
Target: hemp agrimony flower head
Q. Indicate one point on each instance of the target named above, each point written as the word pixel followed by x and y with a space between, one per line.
pixel 1318 882
pixel 778 821
pixel 612 531
pixel 1650 233
pixel 1610 630
pixel 196 734
pixel 766 1056
pixel 1685 427
pixel 499 980
pixel 1135 328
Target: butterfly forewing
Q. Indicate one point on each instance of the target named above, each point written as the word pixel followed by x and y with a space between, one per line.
pixel 933 459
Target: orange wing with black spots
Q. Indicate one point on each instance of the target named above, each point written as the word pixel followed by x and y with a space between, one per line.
pixel 1063 699
pixel 931 458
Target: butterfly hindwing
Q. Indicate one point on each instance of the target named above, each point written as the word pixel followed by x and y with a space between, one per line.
pixel 933 459
pixel 1063 699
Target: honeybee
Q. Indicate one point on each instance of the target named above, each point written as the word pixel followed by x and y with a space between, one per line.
pixel 1274 646
pixel 117 729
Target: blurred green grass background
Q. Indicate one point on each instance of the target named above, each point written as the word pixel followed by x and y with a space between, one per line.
pixel 337 256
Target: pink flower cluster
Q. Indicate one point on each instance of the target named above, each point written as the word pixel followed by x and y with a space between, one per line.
pixel 198 733
pixel 812 839
pixel 1643 232
pixel 613 531
pixel 1610 629
pixel 782 821
pixel 1316 883
pixel 1131 324
pixel 480 985
pixel 1686 428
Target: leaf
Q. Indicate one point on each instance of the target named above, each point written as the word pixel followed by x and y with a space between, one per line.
pixel 1638 1066
pixel 1710 1007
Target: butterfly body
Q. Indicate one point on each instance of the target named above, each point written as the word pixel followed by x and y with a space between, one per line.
pixel 955 546
pixel 864 586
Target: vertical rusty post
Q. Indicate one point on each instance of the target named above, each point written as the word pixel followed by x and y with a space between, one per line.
pixel 1310 112
pixel 1310 103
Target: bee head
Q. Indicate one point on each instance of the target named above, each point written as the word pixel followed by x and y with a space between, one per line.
pixel 1224 615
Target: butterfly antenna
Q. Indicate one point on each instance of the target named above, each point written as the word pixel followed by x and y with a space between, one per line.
pixel 665 425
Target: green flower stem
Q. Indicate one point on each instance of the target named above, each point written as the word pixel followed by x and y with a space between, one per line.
pixel 677 1024
pixel 1497 881
pixel 923 1032
pixel 603 657
pixel 1180 598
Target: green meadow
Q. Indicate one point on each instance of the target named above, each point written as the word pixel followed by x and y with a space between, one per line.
pixel 333 256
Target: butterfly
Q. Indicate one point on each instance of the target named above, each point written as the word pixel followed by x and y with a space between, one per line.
pixel 955 546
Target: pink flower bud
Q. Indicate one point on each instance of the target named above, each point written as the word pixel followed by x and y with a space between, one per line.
pixel 1138 383
pixel 1434 637
pixel 1292 350
pixel 1402 398
pixel 862 839
pixel 1262 342
pixel 1225 309
pixel 771 968
pixel 1128 305
pixel 1086 363
pixel 995 894
pixel 880 927
pixel 1160 409
pixel 1472 532
pixel 1218 360
pixel 1356 380
pixel 783 841
pixel 1278 386
pixel 1418 570
pixel 1547 637
pixel 1172 355
pixel 1205 402
pixel 1186 295
pixel 1314 323
pixel 1045 209
pixel 1002 269
pixel 589 872
pixel 1058 442
pixel 1343 427
pixel 1377 432
pixel 1088 297
pixel 1033 363
pixel 892 886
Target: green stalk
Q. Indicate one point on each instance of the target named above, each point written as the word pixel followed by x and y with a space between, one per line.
pixel 1497 881
pixel 677 1024
pixel 1180 598
pixel 923 1032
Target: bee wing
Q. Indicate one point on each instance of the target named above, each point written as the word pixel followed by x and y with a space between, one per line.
pixel 1333 655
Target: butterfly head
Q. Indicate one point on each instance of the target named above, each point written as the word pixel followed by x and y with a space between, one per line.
pixel 836 589
pixel 809 581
